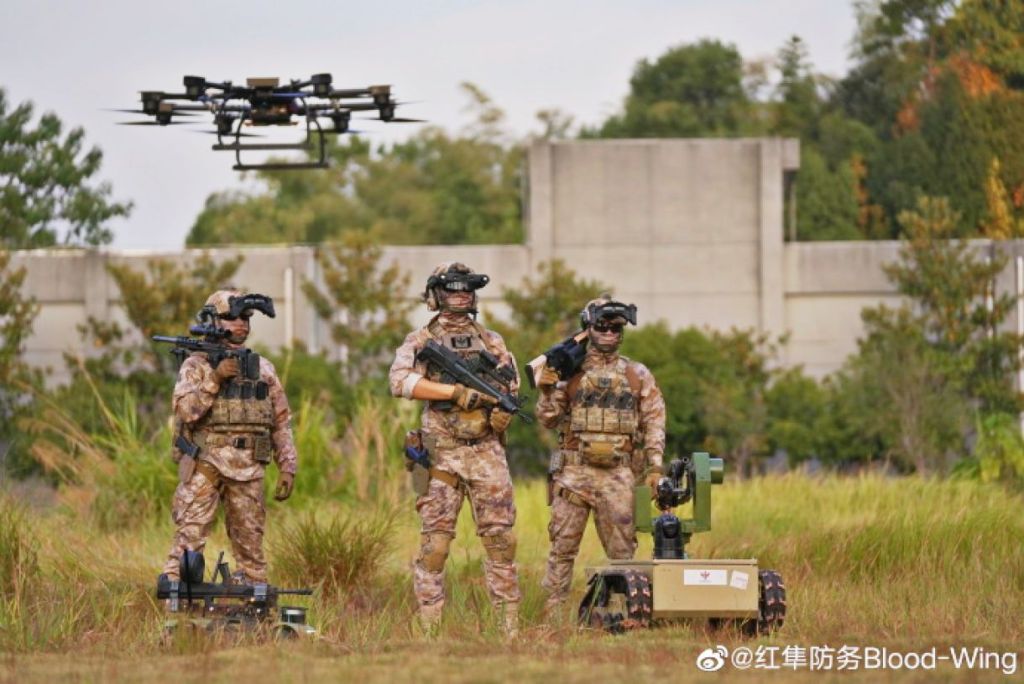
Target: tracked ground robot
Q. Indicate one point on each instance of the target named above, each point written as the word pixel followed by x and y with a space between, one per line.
pixel 632 594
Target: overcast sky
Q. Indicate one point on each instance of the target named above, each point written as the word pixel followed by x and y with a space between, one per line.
pixel 76 58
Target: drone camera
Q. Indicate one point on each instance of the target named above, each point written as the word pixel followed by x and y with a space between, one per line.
pixel 341 121
pixel 387 112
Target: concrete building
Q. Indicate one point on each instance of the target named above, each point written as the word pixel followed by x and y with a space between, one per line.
pixel 692 231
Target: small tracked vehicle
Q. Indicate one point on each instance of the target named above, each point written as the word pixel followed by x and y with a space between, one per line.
pixel 227 607
pixel 631 594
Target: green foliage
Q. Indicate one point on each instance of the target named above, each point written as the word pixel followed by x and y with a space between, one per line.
pixel 317 379
pixel 17 313
pixel 959 312
pixel 691 90
pixel 999 451
pixel 44 183
pixel 362 302
pixel 434 188
pixel 827 206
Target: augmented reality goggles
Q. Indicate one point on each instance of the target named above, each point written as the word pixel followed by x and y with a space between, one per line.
pixel 608 312
pixel 242 307
pixel 458 282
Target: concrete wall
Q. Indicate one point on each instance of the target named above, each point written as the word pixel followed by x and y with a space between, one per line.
pixel 689 230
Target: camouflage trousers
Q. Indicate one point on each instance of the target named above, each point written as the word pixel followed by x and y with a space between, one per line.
pixel 485 479
pixel 608 492
pixel 193 510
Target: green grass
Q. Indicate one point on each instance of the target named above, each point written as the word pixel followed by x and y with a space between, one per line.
pixel 906 563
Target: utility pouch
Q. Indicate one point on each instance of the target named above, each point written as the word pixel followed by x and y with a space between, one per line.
pixel 468 424
pixel 601 450
pixel 263 449
pixel 417 461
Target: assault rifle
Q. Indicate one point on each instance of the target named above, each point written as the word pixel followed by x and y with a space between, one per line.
pixel 212 344
pixel 565 358
pixel 193 587
pixel 454 369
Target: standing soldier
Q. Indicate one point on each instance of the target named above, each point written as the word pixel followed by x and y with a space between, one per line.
pixel 611 421
pixel 233 426
pixel 464 435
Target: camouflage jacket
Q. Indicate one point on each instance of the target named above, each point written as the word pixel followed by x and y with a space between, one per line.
pixel 194 393
pixel 553 408
pixel 406 371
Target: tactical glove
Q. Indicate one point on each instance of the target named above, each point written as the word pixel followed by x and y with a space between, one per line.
pixel 226 369
pixel 467 398
pixel 547 380
pixel 500 420
pixel 285 482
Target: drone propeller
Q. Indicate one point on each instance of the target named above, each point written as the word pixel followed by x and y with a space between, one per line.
pixel 397 119
pixel 155 123
pixel 176 112
pixel 232 135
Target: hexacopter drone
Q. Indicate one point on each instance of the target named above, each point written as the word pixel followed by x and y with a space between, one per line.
pixel 265 102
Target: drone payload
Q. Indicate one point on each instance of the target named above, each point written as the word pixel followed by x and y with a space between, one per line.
pixel 263 102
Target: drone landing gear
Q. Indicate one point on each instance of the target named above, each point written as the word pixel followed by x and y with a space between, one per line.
pixel 313 132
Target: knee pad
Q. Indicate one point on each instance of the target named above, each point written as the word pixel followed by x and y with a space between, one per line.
pixel 433 551
pixel 501 547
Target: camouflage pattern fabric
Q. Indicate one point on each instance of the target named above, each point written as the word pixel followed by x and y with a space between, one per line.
pixel 405 370
pixel 226 473
pixel 608 492
pixel 194 393
pixel 194 508
pixel 554 407
pixel 483 469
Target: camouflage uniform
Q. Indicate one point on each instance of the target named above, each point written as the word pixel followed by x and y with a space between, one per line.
pixel 612 436
pixel 462 444
pixel 236 439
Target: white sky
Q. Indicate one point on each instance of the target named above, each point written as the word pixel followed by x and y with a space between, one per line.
pixel 76 58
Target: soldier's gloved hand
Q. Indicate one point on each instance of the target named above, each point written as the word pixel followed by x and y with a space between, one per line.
pixel 500 420
pixel 467 398
pixel 226 369
pixel 285 482
pixel 547 380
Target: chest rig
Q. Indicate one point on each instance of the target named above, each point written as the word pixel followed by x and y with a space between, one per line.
pixel 604 405
pixel 242 416
pixel 468 344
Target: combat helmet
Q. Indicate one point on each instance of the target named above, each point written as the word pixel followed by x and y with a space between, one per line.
pixel 452 276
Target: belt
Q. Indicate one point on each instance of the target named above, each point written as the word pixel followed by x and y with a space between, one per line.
pixel 450 479
pixel 576 458
pixel 442 442
pixel 239 442
pixel 572 497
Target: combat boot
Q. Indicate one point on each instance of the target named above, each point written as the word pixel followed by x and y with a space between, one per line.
pixel 510 620
pixel 430 620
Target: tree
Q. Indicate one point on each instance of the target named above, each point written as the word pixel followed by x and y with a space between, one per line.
pixel 17 314
pixel 690 90
pixel 44 183
pixel 798 106
pixel 363 303
pixel 434 188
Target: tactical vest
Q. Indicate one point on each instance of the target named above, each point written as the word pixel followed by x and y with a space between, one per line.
pixel 467 425
pixel 242 416
pixel 604 411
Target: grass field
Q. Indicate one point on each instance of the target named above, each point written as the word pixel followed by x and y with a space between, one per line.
pixel 905 564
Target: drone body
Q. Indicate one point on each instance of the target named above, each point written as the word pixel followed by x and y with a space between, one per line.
pixel 263 102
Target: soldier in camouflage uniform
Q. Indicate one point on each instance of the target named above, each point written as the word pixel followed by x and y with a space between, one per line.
pixel 237 437
pixel 611 422
pixel 464 435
